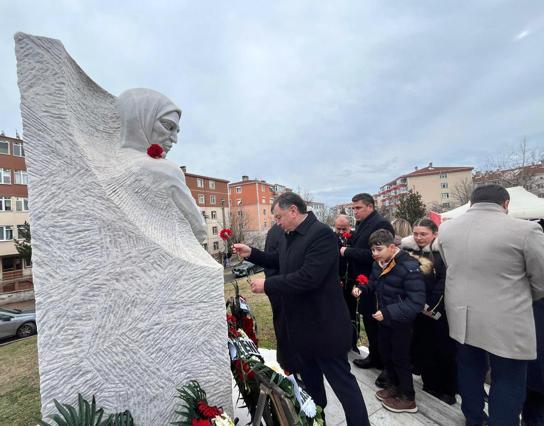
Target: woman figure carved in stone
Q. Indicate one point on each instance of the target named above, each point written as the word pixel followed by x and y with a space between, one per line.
pixel 148 117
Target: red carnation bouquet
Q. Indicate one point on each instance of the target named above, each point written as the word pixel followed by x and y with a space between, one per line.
pixel 344 238
pixel 196 411
pixel 155 151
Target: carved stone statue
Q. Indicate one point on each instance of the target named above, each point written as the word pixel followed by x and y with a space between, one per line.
pixel 129 305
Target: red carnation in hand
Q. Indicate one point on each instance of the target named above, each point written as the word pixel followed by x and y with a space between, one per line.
pixel 225 234
pixel 155 151
pixel 346 235
pixel 201 422
pixel 362 279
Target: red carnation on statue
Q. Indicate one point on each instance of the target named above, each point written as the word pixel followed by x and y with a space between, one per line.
pixel 362 279
pixel 225 234
pixel 155 151
pixel 346 235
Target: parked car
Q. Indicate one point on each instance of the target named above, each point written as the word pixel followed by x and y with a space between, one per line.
pixel 14 322
pixel 245 268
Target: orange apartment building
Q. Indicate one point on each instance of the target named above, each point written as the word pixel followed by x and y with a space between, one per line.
pixel 251 201
pixel 16 273
pixel 211 196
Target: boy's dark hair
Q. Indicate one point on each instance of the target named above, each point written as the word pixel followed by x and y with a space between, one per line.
pixel 365 198
pixel 490 193
pixel 288 199
pixel 381 237
pixel 427 223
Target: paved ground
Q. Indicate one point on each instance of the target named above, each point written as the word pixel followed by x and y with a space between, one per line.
pixel 431 410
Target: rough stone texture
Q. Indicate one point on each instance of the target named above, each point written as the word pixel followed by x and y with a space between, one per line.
pixel 129 305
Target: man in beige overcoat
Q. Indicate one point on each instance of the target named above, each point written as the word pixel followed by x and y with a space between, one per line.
pixel 495 270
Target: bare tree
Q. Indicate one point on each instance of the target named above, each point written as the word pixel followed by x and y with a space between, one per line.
pixel 461 191
pixel 238 225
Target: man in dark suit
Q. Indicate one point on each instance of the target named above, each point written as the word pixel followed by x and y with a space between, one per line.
pixel 359 258
pixel 316 317
pixel 287 360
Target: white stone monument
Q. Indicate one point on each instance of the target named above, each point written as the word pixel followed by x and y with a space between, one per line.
pixel 129 305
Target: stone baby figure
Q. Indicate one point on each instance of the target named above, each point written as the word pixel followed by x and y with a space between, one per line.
pixel 148 117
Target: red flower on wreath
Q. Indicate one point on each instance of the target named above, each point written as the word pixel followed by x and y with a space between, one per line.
pixel 247 326
pixel 201 422
pixel 209 411
pixel 346 235
pixel 243 370
pixel 362 279
pixel 155 151
pixel 225 234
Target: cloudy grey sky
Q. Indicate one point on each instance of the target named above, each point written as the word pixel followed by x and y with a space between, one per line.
pixel 335 98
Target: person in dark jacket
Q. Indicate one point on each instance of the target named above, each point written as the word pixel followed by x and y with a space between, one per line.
pixel 359 258
pixel 397 292
pixel 284 356
pixel 342 227
pixel 316 317
pixel 433 348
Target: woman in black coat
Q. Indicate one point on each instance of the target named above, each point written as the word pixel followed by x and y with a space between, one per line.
pixel 433 349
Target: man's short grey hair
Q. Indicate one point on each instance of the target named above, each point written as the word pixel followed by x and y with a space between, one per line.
pixel 288 199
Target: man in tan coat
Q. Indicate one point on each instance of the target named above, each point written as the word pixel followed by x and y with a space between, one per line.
pixel 495 270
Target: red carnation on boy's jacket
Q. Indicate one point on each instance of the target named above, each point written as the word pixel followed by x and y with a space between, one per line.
pixel 346 235
pixel 155 151
pixel 201 422
pixel 225 234
pixel 362 279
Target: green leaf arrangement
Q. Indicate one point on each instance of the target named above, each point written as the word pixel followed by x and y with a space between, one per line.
pixel 86 415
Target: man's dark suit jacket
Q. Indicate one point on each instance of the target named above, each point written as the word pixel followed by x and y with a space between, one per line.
pixel 315 313
pixel 359 255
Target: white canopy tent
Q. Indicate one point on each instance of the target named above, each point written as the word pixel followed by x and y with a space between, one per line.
pixel 523 205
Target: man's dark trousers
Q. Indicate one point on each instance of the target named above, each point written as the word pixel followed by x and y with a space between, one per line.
pixel 395 341
pixel 508 381
pixel 343 383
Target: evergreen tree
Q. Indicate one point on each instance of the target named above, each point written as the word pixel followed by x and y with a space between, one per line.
pixel 411 207
pixel 23 246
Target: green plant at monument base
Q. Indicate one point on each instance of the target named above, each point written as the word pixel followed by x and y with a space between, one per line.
pixel 86 415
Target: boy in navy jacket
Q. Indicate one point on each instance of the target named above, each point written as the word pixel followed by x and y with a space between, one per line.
pixel 397 287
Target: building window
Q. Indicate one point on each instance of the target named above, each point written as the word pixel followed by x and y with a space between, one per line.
pixel 4 147
pixel 443 175
pixel 240 213
pixel 201 199
pixel 214 214
pixel 238 189
pixel 446 205
pixel 444 185
pixel 18 149
pixel 212 199
pixel 5 176
pixel 205 245
pixel 199 183
pixel 263 200
pixel 271 200
pixel 5 204
pixel 21 177
pixel 238 202
pixel 21 204
pixel 214 230
pixel 6 233
pixel 216 245
pixel 211 183
pixel 445 195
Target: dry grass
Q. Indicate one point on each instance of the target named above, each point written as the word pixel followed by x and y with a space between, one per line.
pixel 19 383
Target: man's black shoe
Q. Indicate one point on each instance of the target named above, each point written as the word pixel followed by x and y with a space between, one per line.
pixel 381 381
pixel 364 363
